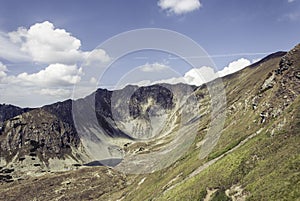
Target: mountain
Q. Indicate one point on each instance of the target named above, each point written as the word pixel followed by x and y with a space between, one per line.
pixel 10 111
pixel 154 137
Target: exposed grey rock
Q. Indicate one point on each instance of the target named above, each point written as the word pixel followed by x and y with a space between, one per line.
pixel 269 83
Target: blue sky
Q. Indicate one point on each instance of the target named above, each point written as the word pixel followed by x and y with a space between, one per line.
pixel 235 33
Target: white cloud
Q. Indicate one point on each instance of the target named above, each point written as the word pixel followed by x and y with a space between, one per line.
pixel 95 56
pixel 11 51
pixel 202 75
pixel 47 44
pixel 234 67
pixel 195 76
pixel 54 75
pixel 3 70
pixel 199 76
pixel 290 1
pixel 32 96
pixel 47 85
pixel 44 43
pixel 173 80
pixel 55 92
pixel 155 67
pixel 2 67
pixel 179 6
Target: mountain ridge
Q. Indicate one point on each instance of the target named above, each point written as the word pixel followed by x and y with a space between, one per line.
pixel 262 102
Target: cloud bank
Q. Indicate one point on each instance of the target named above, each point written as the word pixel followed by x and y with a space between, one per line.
pixel 195 76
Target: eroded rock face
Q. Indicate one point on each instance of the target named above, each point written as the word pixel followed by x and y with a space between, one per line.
pixel 37 141
pixel 37 133
pixel 10 111
pixel 146 97
pixel 269 83
pixel 281 86
pixel 143 112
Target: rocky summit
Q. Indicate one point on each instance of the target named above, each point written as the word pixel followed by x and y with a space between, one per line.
pixel 144 143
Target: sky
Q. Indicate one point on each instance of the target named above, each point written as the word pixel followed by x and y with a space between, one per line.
pixel 49 47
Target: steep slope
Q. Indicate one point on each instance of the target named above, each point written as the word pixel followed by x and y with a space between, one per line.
pixel 263 117
pixel 256 157
pixel 10 111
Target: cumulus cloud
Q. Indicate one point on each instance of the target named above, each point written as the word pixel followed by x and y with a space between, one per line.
pixel 179 7
pixel 234 67
pixel 46 44
pixel 290 1
pixel 199 76
pixel 53 75
pixel 53 83
pixel 205 74
pixel 43 44
pixel 195 76
pixel 155 67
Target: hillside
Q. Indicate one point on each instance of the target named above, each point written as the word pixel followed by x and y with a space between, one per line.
pixel 257 156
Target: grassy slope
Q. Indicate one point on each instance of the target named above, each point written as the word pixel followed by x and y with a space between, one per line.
pixel 267 167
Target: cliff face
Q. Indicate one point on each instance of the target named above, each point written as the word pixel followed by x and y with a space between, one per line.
pixel 31 141
pixel 10 111
pixel 37 132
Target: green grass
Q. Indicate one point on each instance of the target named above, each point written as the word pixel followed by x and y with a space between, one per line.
pixel 266 167
pixel 218 153
pixel 220 196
